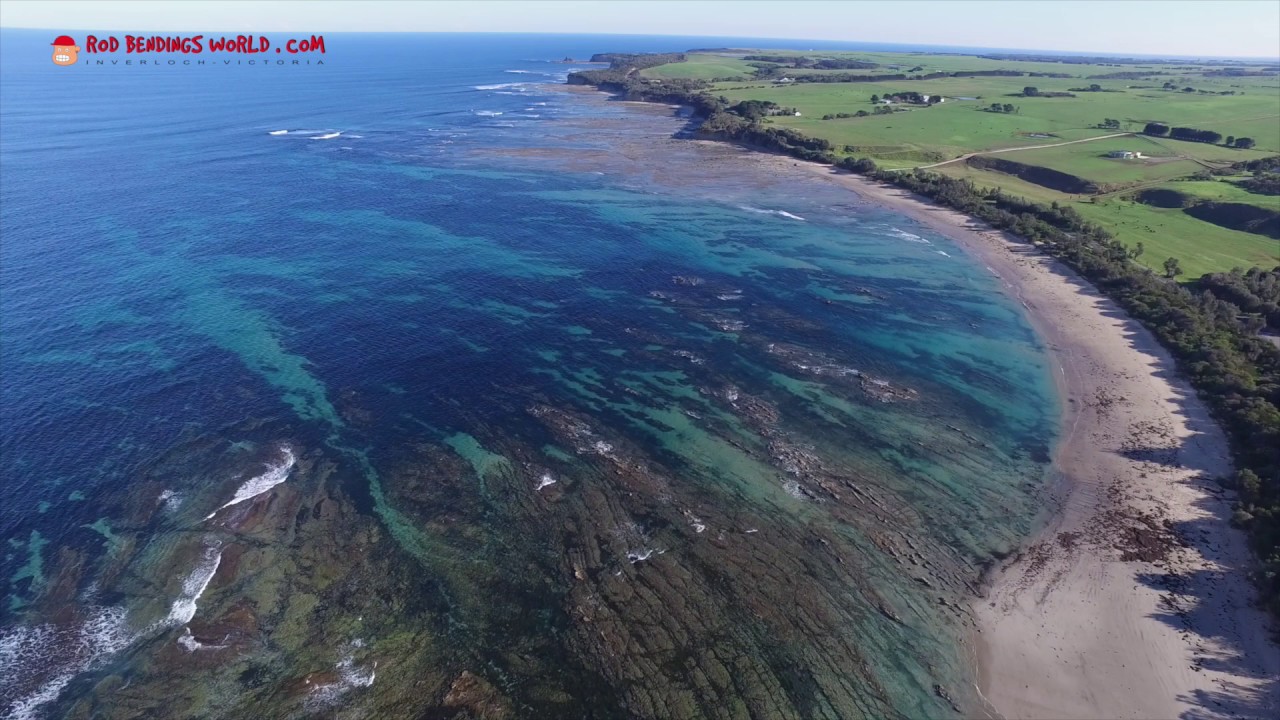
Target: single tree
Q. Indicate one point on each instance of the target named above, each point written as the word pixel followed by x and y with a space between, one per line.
pixel 1095 87
pixel 1030 91
pixel 1135 252
pixel 875 98
pixel 1008 107
pixel 1244 143
pixel 1171 268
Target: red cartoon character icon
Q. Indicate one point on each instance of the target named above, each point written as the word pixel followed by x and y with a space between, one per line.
pixel 64 51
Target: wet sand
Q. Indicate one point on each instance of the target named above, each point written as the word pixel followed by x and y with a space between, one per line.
pixel 1133 601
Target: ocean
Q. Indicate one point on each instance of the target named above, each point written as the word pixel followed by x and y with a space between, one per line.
pixel 416 383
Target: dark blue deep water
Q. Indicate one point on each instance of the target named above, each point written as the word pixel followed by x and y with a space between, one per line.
pixel 471 392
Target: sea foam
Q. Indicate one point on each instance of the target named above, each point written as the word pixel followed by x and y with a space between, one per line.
pixel 350 676
pixel 47 657
pixel 909 237
pixel 184 608
pixel 779 213
pixel 255 486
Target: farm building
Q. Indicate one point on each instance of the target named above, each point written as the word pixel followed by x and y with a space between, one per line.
pixel 1125 154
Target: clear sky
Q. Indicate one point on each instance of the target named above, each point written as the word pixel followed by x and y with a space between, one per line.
pixel 1232 28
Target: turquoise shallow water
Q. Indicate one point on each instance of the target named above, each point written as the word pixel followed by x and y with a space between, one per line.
pixel 519 404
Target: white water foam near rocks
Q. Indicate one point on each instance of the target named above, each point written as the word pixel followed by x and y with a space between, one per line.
pixel 39 661
pixel 350 677
pixel 184 608
pixel 255 486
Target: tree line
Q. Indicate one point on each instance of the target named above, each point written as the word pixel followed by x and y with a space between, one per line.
pixel 1156 129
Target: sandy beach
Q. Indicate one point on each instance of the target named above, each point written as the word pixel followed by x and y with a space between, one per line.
pixel 1133 601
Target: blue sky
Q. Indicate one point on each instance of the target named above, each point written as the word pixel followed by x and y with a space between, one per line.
pixel 1237 28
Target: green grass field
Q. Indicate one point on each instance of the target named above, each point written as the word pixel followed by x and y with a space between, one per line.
pixel 1223 190
pixel 701 67
pixel 1089 160
pixel 1200 247
pixel 960 125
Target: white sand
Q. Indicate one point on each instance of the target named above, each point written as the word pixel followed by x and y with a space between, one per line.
pixel 1068 629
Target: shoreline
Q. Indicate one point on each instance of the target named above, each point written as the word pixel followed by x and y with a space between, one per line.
pixel 1132 601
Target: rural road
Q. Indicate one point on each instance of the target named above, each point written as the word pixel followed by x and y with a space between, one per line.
pixel 966 156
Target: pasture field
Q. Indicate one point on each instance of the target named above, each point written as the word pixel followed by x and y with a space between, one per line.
pixel 1223 190
pixel 1089 161
pixel 899 62
pixel 1240 101
pixel 1200 247
pixel 958 126
pixel 700 66
pixel 1008 183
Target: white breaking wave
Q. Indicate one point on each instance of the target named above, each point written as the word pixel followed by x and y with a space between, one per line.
pixel 501 86
pixel 170 500
pixel 488 113
pixel 793 489
pixel 523 72
pixel 762 211
pixel 544 481
pixel 184 608
pixel 274 475
pixel 350 676
pixel 909 237
pixel 191 644
pixel 327 136
pixel 52 655
pixel 278 132
pixel 943 253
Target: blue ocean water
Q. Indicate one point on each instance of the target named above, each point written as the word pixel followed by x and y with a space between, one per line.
pixel 414 382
